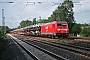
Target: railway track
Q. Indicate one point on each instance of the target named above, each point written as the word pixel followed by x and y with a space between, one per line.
pixel 73 46
pixel 62 49
pixel 58 51
pixel 76 49
pixel 81 47
pixel 75 37
pixel 82 50
pixel 56 57
pixel 64 44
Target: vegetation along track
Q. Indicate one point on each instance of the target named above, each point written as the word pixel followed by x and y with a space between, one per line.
pixel 34 57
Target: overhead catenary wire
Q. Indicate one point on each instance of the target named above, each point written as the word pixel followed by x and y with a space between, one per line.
pixel 83 12
pixel 39 3
pixel 17 7
pixel 31 4
pixel 81 5
pixel 47 8
pixel 21 10
pixel 78 3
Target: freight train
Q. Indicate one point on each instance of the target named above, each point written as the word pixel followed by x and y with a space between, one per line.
pixel 52 29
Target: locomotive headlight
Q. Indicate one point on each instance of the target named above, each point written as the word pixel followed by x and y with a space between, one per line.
pixel 58 29
pixel 65 29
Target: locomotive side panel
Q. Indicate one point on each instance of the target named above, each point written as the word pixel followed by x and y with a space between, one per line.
pixel 46 29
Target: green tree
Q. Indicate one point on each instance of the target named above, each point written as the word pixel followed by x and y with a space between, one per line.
pixel 76 28
pixel 55 15
pixel 4 29
pixel 34 21
pixel 25 23
pixel 3 42
pixel 1 35
pixel 67 14
pixel 85 25
pixel 28 23
pixel 43 21
pixel 50 19
pixel 64 12
pixel 85 32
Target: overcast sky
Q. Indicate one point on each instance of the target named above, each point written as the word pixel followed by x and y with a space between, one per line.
pixel 21 10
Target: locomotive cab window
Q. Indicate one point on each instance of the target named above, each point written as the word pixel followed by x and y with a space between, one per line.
pixel 61 24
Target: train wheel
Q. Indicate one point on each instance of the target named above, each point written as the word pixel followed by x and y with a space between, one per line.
pixel 53 37
pixel 42 36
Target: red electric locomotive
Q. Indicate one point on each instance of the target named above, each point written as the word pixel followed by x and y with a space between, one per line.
pixel 56 28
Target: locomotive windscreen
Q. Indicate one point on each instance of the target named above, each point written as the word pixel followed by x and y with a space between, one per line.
pixel 61 24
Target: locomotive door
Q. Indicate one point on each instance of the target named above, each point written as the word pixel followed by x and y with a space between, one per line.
pixel 53 28
pixel 53 31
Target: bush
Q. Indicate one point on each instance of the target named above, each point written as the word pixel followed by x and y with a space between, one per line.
pixel 2 42
pixel 85 32
pixel 76 29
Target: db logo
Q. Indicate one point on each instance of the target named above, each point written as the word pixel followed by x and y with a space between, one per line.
pixel 46 28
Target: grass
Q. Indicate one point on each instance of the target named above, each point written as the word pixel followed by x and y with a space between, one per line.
pixel 61 40
pixel 73 42
pixel 83 44
pixel 3 46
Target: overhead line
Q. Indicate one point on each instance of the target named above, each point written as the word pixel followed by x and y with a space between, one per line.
pixel 17 7
pixel 40 3
pixel 83 12
pixel 47 8
pixel 21 11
